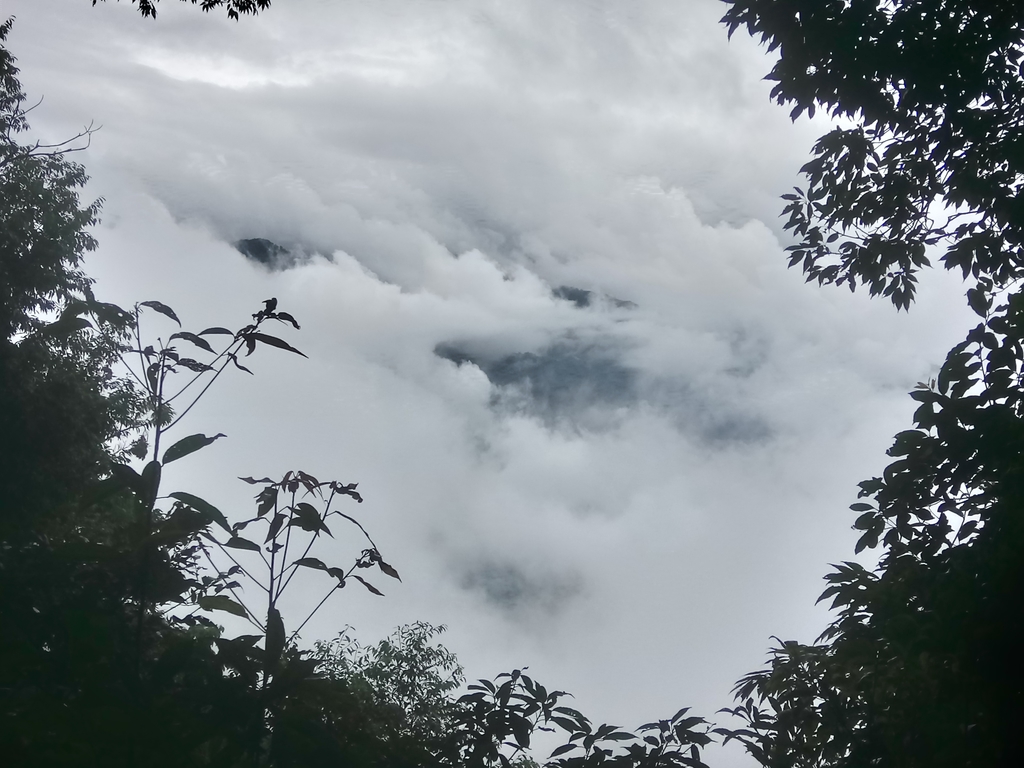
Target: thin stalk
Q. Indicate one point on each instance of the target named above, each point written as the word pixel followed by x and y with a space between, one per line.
pixel 199 375
pixel 203 392
pixel 337 586
pixel 248 575
pixel 318 606
pixel 309 546
pixel 284 557
pixel 159 409
pixel 250 616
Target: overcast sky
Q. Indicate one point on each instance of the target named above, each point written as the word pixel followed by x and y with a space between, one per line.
pixel 535 251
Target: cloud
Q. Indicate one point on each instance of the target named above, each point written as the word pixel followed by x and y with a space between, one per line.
pixel 512 589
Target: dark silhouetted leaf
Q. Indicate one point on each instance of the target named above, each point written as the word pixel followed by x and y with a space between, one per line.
pixel 275 526
pixel 311 562
pixel 287 318
pixel 266 500
pixel 275 636
pixel 162 308
pixel 237 542
pixel 64 327
pixel 274 342
pixel 150 482
pixel 389 570
pixel 307 518
pixel 368 585
pixel 194 338
pixel 188 445
pixel 238 365
pixel 221 603
pixel 194 365
pixel 203 506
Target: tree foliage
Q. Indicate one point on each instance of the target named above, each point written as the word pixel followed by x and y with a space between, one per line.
pixel 934 156
pixel 235 8
pixel 921 666
pixel 55 379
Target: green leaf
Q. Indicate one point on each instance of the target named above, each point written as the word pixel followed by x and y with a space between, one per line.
pixel 307 518
pixel 162 308
pixel 275 636
pixel 265 500
pixel 865 521
pixel 216 331
pixel 188 445
pixel 368 585
pixel 194 365
pixel 201 505
pixel 521 728
pixel 311 562
pixel 389 570
pixel 153 377
pixel 979 301
pixel 65 326
pixel 126 477
pixel 275 526
pixel 194 338
pixel 238 365
pixel 624 736
pixel 274 342
pixel 237 542
pixel 149 484
pixel 285 317
pixel 221 603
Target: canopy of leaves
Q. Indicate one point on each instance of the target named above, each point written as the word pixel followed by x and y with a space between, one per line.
pixel 934 90
pixel 43 229
pixel 921 666
pixel 59 401
pixel 234 8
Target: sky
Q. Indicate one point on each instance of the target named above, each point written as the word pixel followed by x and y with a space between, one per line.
pixel 536 253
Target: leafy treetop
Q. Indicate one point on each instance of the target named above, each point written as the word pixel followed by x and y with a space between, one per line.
pixel 919 667
pixel 235 8
pixel 935 90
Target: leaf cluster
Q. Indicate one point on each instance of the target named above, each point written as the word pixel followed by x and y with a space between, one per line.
pixel 934 89
pixel 918 667
pixel 235 8
pixel 500 717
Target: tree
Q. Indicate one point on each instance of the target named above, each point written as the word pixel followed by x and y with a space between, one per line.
pixel 934 158
pixel 55 376
pixel 235 8
pixel 405 674
pixel 921 666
